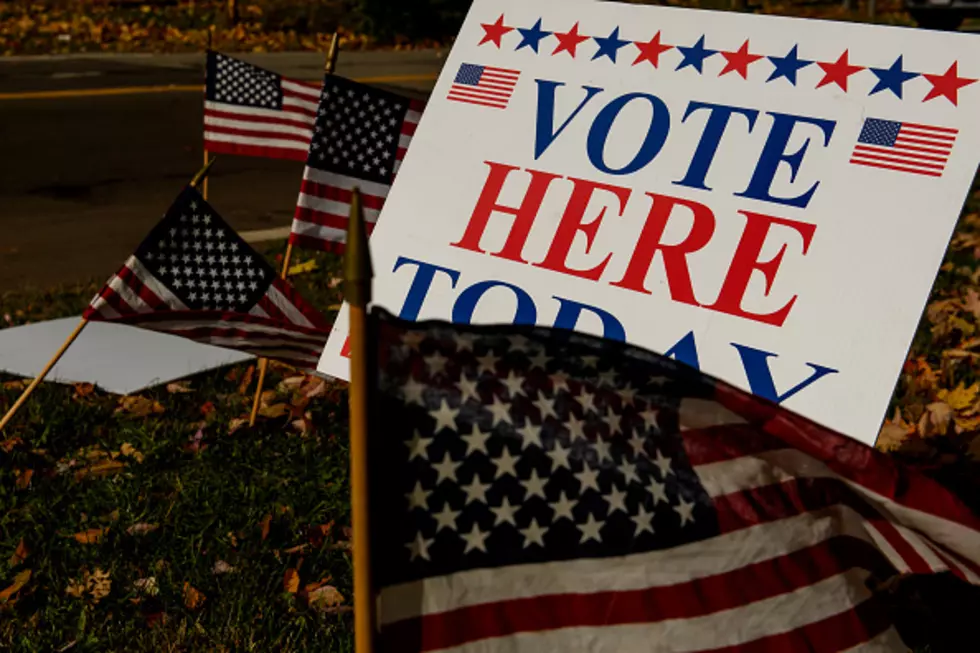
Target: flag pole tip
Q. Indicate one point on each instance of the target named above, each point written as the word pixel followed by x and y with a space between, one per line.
pixel 203 172
pixel 331 63
pixel 357 256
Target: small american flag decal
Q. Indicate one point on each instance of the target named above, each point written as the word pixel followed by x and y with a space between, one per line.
pixel 484 85
pixel 904 146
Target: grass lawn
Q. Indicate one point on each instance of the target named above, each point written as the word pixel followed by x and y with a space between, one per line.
pixel 161 523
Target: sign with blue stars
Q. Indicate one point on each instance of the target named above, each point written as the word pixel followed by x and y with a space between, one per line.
pixel 764 198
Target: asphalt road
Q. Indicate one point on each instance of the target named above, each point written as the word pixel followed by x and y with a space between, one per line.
pixel 93 149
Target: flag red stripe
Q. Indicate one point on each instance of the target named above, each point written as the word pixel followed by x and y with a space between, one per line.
pixel 948 130
pixel 470 101
pixel 727 442
pixel 136 284
pixel 203 317
pixel 928 150
pixel 703 596
pixel 896 158
pixel 323 219
pixel 899 168
pixel 925 133
pixel 271 309
pixel 919 141
pixel 408 128
pixel 912 157
pixel 284 120
pixel 329 192
pixel 299 304
pixel 250 340
pixel 112 298
pixel 223 147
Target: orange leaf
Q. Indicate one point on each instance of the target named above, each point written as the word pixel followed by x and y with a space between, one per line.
pixel 84 389
pixel 103 468
pixel 20 554
pixel 325 597
pixel 290 581
pixel 266 522
pixel 193 599
pixel 207 408
pixel 246 380
pixel 24 479
pixel 275 410
pixel 19 581
pixel 91 536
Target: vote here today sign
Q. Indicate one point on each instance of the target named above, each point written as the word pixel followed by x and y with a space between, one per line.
pixel 767 199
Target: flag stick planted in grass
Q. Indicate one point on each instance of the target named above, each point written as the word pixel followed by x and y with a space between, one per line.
pixel 201 175
pixel 357 291
pixel 329 67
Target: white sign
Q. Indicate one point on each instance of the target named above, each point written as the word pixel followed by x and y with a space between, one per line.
pixel 765 198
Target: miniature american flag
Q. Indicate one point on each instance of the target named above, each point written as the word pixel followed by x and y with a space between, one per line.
pixel 195 277
pixel 256 112
pixel 539 490
pixel 361 136
pixel 484 85
pixel 904 146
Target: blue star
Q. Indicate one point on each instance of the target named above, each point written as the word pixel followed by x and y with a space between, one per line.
pixel 787 66
pixel 891 78
pixel 609 46
pixel 694 55
pixel 530 38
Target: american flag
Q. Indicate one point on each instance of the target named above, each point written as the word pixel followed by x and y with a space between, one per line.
pixel 539 490
pixel 361 136
pixel 484 85
pixel 904 146
pixel 256 112
pixel 195 277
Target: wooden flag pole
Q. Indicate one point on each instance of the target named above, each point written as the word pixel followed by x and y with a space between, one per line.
pixel 204 186
pixel 328 67
pixel 357 290
pixel 201 174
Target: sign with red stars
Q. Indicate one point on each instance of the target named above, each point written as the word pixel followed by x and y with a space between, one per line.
pixel 764 198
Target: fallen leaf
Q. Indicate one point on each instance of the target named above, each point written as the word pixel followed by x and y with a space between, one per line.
pixel 334 282
pixel 246 380
pixel 334 307
pixel 302 268
pixel 266 523
pixel 99 469
pixel 19 581
pixel 222 567
pixel 91 536
pixel 299 548
pixel 141 528
pixel 98 584
pixel 236 424
pixel 290 581
pixel 935 420
pixel 75 589
pixel 130 451
pixel 139 406
pixel 147 586
pixel 179 387
pixel 8 445
pixel 20 554
pixel 83 390
pixel 153 618
pixel 324 598
pixel 318 534
pixel 273 411
pixel 24 479
pixel 972 303
pixel 18 384
pixel 207 408
pixel 960 397
pixel 193 598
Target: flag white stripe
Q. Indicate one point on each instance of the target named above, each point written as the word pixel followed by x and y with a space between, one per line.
pixel 489 96
pixel 741 625
pixel 888 550
pixel 926 158
pixel 886 642
pixel 266 127
pixel 102 307
pixel 250 140
pixel 333 207
pixel 292 313
pixel 126 294
pixel 262 329
pixel 258 311
pixel 290 101
pixel 660 568
pixel 312 230
pixel 345 183
pixel 412 117
pixel 289 86
pixel 154 284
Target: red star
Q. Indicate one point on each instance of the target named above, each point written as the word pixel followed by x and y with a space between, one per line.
pixel 568 41
pixel 946 84
pixel 651 50
pixel 739 61
pixel 494 31
pixel 837 72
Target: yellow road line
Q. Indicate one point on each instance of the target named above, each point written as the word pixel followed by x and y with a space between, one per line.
pixel 178 88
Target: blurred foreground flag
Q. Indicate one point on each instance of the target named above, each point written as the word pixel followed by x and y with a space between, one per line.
pixel 538 490
pixel 252 111
pixel 195 277
pixel 360 138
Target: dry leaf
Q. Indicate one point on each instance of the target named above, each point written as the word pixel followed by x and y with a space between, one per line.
pixel 207 408
pixel 141 529
pixel 103 468
pixel 334 282
pixel 317 389
pixel 266 523
pixel 179 387
pixel 75 589
pixel 299 548
pixel 960 398
pixel 273 411
pixel 19 384
pixel 972 303
pixel 8 445
pixel 236 424
pixel 193 599
pixel 139 406
pixel 324 597
pixel 935 420
pixel 147 586
pixel 891 437
pixel 290 581
pixel 24 479
pixel 20 554
pixel 91 536
pixel 319 533
pixel 222 567
pixel 19 581
pixel 130 451
pixel 246 380
pixel 302 268
pixel 99 584
pixel 83 390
